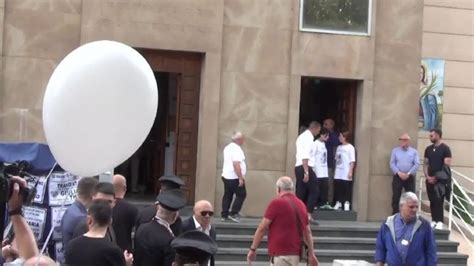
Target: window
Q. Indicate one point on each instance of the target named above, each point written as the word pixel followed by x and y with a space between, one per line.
pixel 350 17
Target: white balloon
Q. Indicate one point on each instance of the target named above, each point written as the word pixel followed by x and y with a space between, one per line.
pixel 99 106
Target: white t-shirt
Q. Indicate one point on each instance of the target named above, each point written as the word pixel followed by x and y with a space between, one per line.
pixel 305 148
pixel 320 159
pixel 233 153
pixel 345 154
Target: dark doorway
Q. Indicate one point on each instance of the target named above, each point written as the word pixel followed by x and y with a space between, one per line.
pixel 328 98
pixel 171 146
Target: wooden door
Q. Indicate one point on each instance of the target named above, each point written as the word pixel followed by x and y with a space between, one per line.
pixel 346 108
pixel 186 69
pixel 186 140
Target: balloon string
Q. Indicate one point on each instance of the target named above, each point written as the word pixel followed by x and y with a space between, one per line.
pixel 52 225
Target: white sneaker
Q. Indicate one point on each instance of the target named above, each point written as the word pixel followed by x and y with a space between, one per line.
pixel 439 226
pixel 338 206
pixel 433 224
pixel 347 206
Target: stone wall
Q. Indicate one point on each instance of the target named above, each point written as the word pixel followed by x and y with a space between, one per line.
pixel 453 42
pixel 254 58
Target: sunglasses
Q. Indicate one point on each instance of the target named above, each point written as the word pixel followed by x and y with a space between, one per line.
pixel 205 213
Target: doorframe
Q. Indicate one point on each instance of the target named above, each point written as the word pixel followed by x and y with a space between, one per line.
pixel 362 141
pixel 175 62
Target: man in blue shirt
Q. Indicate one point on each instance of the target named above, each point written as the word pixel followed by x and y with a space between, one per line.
pixel 404 163
pixel 406 238
pixel 78 210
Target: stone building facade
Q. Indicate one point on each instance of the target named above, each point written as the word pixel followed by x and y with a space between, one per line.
pixel 253 58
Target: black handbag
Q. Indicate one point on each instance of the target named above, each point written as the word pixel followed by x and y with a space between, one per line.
pixel 304 248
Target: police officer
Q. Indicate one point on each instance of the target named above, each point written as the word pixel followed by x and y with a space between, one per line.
pixel 152 240
pixel 145 215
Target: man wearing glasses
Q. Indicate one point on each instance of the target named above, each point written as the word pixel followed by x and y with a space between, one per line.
pixel 201 221
pixel 404 163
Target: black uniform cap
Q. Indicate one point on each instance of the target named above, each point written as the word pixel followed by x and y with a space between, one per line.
pixel 194 247
pixel 171 181
pixel 172 199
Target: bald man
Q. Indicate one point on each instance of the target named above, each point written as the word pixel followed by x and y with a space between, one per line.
pixel 201 221
pixel 404 163
pixel 124 214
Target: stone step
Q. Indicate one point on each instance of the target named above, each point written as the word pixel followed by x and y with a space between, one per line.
pixel 331 215
pixel 324 229
pixel 325 255
pixel 341 243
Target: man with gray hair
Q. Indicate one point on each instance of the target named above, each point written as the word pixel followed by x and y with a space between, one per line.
pixel 405 238
pixel 306 187
pixel 287 223
pixel 233 177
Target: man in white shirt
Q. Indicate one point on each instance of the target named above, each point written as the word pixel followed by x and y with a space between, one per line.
pixel 233 176
pixel 201 221
pixel 321 169
pixel 306 189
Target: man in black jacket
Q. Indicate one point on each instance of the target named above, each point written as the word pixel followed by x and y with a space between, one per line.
pixel 152 240
pixel 146 214
pixel 201 221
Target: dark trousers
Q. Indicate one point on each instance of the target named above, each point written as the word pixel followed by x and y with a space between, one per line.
pixel 307 192
pixel 342 190
pixel 397 185
pixel 322 187
pixel 436 204
pixel 231 187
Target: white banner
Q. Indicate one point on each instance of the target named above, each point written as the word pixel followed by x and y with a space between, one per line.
pixel 62 188
pixel 40 182
pixel 36 219
pixel 56 217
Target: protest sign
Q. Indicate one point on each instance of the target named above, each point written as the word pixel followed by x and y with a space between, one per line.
pixel 36 219
pixel 62 188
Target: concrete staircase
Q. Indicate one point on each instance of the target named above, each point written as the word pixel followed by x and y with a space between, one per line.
pixel 349 240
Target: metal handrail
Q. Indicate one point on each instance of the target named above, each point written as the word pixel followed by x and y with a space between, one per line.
pixel 457 210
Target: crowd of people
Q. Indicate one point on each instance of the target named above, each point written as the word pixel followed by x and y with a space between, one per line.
pixel 102 228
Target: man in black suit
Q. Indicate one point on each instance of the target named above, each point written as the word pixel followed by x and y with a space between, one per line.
pixel 124 214
pixel 201 221
pixel 146 214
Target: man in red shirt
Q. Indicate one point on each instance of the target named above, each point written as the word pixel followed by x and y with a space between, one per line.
pixel 281 220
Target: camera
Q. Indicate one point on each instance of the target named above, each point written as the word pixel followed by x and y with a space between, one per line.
pixel 6 184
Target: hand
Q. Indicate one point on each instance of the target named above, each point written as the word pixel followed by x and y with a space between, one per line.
pixel 251 256
pixel 431 179
pixel 312 260
pixel 349 176
pixel 402 176
pixel 9 253
pixel 128 258
pixel 16 200
pixel 241 181
pixel 306 177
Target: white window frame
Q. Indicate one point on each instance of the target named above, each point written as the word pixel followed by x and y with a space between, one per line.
pixel 369 24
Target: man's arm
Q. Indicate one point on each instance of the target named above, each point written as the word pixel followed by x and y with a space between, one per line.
pixel 447 161
pixel 425 171
pixel 24 237
pixel 238 172
pixel 416 164
pixel 308 240
pixel 257 238
pixel 430 246
pixel 380 249
pixel 393 165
